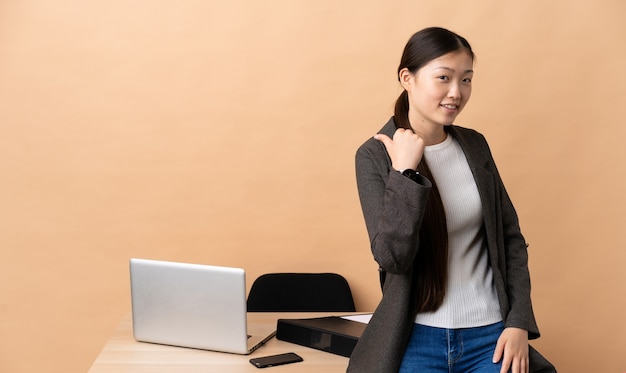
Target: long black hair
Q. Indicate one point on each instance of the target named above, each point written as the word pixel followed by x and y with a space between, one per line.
pixel 430 269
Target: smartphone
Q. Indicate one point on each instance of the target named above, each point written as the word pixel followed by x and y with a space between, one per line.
pixel 270 361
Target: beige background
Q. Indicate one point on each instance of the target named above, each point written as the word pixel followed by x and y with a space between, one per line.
pixel 223 132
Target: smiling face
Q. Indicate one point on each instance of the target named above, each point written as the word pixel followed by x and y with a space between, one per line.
pixel 438 91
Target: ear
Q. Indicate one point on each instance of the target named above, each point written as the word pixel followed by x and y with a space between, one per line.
pixel 406 78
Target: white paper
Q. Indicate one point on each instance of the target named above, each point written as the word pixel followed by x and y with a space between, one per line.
pixel 363 318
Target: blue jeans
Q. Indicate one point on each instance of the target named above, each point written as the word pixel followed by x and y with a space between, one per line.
pixel 452 350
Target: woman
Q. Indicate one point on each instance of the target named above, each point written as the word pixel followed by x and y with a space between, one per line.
pixel 454 265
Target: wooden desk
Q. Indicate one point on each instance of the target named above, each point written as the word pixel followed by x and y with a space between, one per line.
pixel 123 354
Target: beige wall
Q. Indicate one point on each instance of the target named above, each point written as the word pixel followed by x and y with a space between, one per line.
pixel 224 133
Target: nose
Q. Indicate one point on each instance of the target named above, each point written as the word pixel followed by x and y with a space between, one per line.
pixel 455 91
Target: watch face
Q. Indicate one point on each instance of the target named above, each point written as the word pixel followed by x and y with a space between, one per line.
pixel 411 174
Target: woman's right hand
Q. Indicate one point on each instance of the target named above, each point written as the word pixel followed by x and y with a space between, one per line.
pixel 405 149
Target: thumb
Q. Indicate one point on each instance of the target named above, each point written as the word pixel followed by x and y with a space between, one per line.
pixel 386 140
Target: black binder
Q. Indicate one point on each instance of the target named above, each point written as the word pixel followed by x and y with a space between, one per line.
pixel 331 334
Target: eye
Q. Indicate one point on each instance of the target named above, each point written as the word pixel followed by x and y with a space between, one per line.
pixel 443 77
pixel 467 80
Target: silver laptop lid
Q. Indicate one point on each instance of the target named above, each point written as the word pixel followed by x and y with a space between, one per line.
pixel 189 305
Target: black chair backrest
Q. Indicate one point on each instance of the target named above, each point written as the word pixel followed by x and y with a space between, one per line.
pixel 300 292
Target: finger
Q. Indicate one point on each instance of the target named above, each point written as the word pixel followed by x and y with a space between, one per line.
pixel 507 360
pixel 497 354
pixel 506 364
pixel 515 367
pixel 402 132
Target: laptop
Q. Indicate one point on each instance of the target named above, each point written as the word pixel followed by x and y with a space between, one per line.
pixel 192 305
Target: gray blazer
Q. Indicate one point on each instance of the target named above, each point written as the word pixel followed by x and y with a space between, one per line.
pixel 393 207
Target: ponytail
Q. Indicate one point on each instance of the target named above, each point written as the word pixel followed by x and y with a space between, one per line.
pixel 401 111
pixel 430 268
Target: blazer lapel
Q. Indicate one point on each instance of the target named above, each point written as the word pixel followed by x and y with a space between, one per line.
pixel 479 160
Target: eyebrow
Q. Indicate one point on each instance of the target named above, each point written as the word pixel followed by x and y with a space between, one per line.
pixel 451 69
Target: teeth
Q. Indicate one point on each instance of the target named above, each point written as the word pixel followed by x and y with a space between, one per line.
pixel 449 106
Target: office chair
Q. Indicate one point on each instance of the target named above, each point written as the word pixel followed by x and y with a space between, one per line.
pixel 300 292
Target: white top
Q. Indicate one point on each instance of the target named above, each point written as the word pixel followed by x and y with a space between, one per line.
pixel 471 298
